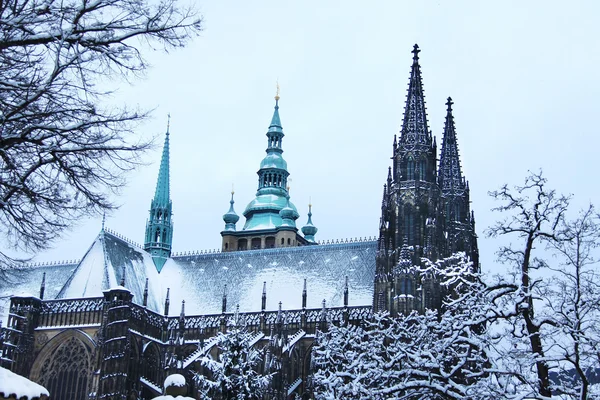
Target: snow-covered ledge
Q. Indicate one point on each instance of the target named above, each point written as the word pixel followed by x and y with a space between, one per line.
pixel 16 387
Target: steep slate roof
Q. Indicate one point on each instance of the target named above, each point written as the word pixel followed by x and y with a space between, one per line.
pixel 27 280
pixel 199 279
pixel 284 270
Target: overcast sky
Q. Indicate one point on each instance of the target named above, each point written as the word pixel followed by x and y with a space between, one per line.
pixel 523 77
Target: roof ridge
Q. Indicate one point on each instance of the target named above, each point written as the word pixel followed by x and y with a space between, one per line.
pixel 322 242
pixel 123 238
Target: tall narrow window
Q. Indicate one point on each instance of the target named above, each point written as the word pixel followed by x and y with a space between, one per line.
pixel 422 170
pixel 409 226
pixel 410 169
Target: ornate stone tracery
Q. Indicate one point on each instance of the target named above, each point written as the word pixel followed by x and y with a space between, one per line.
pixel 64 367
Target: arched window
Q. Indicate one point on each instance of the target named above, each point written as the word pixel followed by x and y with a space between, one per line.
pixel 226 246
pixel 255 243
pixel 151 366
pixel 282 241
pixel 66 372
pixel 289 241
pixel 243 244
pixel 269 242
pixel 410 169
pixel 458 209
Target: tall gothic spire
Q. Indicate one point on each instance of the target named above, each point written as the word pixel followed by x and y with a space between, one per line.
pixel 414 127
pixel 159 227
pixel 450 176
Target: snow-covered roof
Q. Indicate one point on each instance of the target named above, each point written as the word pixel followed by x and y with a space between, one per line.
pixel 27 280
pixel 199 279
pixel 19 387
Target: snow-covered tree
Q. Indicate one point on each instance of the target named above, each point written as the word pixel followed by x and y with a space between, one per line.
pixel 573 304
pixel 548 332
pixel 348 360
pixel 235 375
pixel 534 214
pixel 63 146
pixel 437 355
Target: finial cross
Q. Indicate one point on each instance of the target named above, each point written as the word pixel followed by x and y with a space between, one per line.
pixel 416 52
pixel 449 103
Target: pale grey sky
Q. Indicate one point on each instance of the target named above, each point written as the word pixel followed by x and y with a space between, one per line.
pixel 523 77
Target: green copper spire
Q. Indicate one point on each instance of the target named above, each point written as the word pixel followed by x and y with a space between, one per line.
pixel 272 195
pixel 231 218
pixel 159 227
pixel 161 196
pixel 309 230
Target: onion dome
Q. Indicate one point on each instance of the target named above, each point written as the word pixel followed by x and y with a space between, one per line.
pixel 309 230
pixel 231 218
pixel 288 215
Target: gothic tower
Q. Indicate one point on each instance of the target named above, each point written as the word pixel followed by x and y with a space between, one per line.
pixel 459 220
pixel 424 213
pixel 159 227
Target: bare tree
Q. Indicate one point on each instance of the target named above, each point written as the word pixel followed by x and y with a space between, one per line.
pixel 573 303
pixel 534 214
pixel 63 148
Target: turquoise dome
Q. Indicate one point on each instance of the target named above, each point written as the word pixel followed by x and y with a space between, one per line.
pixel 264 211
pixel 231 217
pixel 273 160
pixel 309 230
pixel 287 213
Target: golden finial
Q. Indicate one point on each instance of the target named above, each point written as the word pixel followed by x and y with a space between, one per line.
pixel 277 93
pixel 232 191
pixel 309 203
pixel 168 122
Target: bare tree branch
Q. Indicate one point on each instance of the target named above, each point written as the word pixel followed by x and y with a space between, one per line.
pixel 63 149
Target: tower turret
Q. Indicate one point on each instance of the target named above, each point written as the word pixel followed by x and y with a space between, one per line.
pixel 159 227
pixel 231 218
pixel 309 230
pixel 270 216
pixel 288 217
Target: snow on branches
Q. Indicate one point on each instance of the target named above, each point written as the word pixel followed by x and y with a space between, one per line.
pixel 235 374
pixel 439 354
